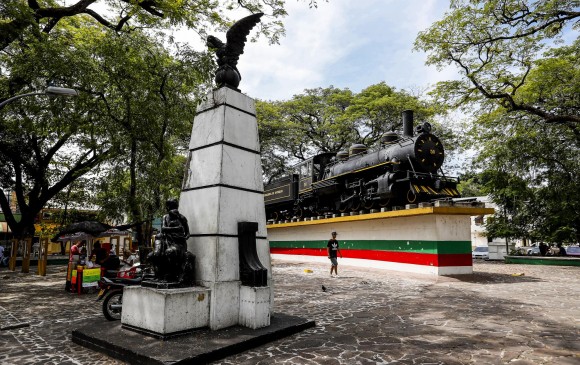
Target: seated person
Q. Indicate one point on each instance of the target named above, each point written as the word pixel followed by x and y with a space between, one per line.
pixel 561 250
pixel 99 253
pixel 112 261
pixel 129 259
pixel 543 249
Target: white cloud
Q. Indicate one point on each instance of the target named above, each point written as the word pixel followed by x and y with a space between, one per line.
pixel 314 41
pixel 345 44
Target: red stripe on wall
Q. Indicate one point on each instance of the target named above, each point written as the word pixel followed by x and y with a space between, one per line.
pixel 391 256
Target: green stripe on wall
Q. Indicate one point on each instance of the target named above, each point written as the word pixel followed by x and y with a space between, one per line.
pixel 431 247
pixel 542 261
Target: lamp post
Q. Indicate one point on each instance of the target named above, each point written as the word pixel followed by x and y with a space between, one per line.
pixel 51 91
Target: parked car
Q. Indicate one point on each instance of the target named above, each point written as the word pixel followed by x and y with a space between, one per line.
pixel 533 251
pixel 480 252
pixel 573 251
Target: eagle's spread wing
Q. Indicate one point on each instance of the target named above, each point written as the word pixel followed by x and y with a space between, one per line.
pixel 236 37
pixel 215 43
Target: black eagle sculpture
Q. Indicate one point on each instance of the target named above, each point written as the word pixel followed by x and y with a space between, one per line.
pixel 228 54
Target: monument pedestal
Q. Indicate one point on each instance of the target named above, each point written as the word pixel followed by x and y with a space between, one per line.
pixel 222 187
pixel 165 313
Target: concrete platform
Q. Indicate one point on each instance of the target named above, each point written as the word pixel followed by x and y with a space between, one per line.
pixel 426 240
pixel 200 347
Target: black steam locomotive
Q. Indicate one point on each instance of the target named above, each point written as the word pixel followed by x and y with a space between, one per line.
pixel 402 170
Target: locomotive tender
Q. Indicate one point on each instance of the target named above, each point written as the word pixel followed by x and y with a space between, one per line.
pixel 402 170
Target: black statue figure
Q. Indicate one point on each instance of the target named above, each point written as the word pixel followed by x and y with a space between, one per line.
pixel 228 54
pixel 173 265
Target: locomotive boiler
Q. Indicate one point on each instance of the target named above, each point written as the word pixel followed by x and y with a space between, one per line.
pixel 403 169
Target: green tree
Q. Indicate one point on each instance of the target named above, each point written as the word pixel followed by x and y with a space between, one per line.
pixel 21 19
pixel 169 90
pixel 315 121
pixel 23 22
pixel 272 133
pixel 532 171
pixel 377 109
pixel 494 44
pixel 521 85
pixel 128 83
pixel 309 123
pixel 470 185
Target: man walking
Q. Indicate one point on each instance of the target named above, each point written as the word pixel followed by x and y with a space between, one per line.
pixel 333 250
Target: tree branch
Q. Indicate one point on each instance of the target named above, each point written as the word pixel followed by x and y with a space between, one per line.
pixel 508 101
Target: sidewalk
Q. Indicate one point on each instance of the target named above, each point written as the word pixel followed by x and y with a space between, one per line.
pixel 366 316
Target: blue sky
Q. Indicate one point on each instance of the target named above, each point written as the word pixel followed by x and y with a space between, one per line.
pixel 344 43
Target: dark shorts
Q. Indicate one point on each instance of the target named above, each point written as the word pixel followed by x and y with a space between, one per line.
pixel 334 261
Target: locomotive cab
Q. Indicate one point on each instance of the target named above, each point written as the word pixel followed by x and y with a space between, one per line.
pixel 312 170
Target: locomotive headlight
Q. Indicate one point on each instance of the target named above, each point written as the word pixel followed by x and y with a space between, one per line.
pixel 438 184
pixel 429 152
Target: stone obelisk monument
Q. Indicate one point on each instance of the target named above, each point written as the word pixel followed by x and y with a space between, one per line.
pixel 222 220
pixel 223 187
pixel 222 197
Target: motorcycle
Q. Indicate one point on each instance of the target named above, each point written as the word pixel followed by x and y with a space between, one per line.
pixel 111 289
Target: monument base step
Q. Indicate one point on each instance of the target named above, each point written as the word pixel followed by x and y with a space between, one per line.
pixel 200 347
pixel 161 285
pixel 157 335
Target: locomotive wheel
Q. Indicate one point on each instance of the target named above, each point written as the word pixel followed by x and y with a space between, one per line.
pixel 355 207
pixel 411 196
pixel 275 216
pixel 343 208
pixel 369 204
pixel 299 213
pixel 384 202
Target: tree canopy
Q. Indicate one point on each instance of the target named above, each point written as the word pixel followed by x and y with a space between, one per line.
pixel 22 19
pixel 532 171
pixel 495 44
pixel 127 82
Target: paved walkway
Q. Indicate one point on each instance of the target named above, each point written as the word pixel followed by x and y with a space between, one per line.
pixel 502 314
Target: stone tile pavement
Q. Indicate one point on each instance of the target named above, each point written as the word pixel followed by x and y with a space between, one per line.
pixel 501 314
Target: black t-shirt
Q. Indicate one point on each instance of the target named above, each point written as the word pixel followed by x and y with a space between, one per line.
pixel 100 254
pixel 563 251
pixel 112 263
pixel 333 246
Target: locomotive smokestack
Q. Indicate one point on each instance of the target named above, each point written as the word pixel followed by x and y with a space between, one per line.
pixel 408 123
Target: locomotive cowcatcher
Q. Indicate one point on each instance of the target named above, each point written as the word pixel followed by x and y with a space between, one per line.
pixel 404 169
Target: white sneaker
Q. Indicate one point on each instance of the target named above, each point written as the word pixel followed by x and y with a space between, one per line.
pixel 336 275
